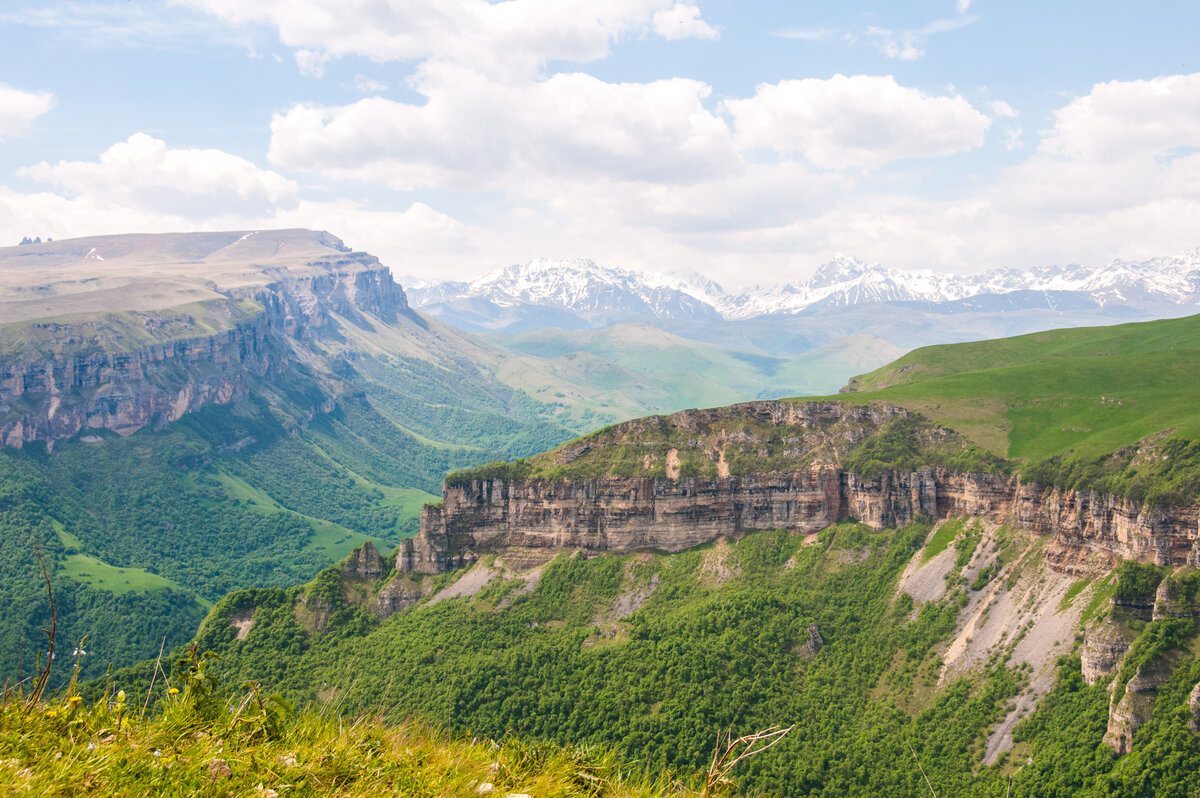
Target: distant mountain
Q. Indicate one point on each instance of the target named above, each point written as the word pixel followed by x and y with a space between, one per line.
pixel 572 294
pixel 580 294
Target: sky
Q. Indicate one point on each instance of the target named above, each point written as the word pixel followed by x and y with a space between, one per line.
pixel 746 139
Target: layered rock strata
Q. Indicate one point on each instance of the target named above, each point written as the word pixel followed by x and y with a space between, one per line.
pixel 88 387
pixel 678 512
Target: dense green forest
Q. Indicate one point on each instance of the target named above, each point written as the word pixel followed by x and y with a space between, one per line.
pixel 723 641
pixel 141 534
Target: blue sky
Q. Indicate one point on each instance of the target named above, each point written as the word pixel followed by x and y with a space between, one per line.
pixel 749 140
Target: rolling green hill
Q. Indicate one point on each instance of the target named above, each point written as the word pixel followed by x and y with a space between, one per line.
pixel 1084 392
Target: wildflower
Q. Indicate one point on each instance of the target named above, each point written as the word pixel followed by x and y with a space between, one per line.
pixel 173 691
pixel 75 699
pixel 157 752
pixel 120 696
pixel 50 713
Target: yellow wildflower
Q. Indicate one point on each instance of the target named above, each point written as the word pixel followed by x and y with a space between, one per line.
pixel 75 699
pixel 120 696
pixel 173 691
pixel 50 713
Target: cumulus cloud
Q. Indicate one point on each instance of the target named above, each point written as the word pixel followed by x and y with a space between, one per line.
pixel 1123 144
pixel 143 173
pixel 682 21
pixel 854 122
pixel 474 134
pixel 19 108
pixel 1123 119
pixel 514 38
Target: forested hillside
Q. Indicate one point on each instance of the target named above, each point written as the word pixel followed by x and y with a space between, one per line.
pixel 845 635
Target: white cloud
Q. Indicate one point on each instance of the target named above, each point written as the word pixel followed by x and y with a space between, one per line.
pixel 312 62
pixel 682 21
pixel 514 38
pixel 902 46
pixel 1001 108
pixel 1124 144
pixel 859 121
pixel 1122 119
pixel 143 173
pixel 906 45
pixel 19 108
pixel 474 134
pixel 365 85
pixel 115 24
pixel 963 5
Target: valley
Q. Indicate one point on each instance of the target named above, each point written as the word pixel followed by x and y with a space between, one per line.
pixel 978 559
pixel 1006 617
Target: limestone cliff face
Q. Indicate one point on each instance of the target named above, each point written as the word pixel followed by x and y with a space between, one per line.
pixel 56 397
pixel 1136 704
pixel 673 513
pixel 123 392
pixel 1104 645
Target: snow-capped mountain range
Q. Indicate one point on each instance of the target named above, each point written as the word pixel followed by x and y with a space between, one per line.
pixel 575 293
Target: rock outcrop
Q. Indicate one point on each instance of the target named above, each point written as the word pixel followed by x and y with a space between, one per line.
pixel 671 514
pixel 364 563
pixel 1104 646
pixel 812 645
pixel 91 384
pixel 1133 709
pixel 1194 705
pixel 1178 596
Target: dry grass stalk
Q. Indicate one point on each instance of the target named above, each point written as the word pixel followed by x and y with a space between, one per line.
pixel 729 752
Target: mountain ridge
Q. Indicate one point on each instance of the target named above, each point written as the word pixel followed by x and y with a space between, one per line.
pixel 595 295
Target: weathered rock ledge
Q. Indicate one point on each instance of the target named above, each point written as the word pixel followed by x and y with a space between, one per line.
pixel 671 514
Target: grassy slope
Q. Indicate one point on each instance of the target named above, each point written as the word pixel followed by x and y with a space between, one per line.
pixel 1083 392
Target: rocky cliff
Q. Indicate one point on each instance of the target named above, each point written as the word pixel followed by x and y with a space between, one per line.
pixel 672 511
pixel 84 374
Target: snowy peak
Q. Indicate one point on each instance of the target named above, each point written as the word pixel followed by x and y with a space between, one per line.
pixel 581 292
pixel 598 295
pixel 842 269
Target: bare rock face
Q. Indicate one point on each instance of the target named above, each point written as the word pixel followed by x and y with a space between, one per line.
pixel 1178 596
pixel 1134 708
pixel 364 563
pixel 126 391
pixel 670 513
pixel 1104 646
pixel 397 595
pixel 92 383
pixel 813 644
pixel 1194 706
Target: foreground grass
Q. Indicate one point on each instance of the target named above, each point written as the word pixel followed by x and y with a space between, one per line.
pixel 196 745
